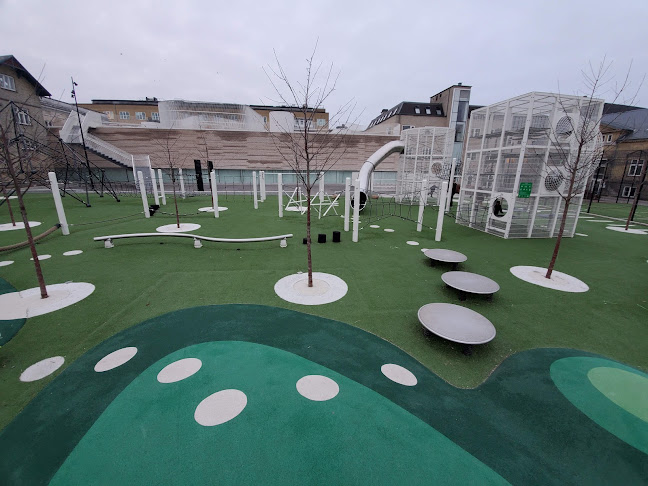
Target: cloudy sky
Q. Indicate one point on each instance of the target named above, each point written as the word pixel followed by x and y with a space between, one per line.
pixel 386 52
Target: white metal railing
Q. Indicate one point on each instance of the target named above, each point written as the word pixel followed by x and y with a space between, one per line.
pixel 108 149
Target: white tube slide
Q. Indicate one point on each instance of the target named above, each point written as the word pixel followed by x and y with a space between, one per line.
pixel 397 146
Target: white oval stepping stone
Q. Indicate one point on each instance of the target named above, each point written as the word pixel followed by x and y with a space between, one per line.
pixel 5 263
pixel 173 228
pixel 28 303
pixel 220 407
pixel 326 288
pixel 599 221
pixel 317 388
pixel 115 359
pixel 42 257
pixel 19 225
pixel 558 280
pixel 412 243
pixel 179 370
pixel 399 374
pixel 374 226
pixel 210 209
pixel 634 231
pixel 580 234
pixel 43 368
pixel 72 252
pixel 389 230
pixel 10 197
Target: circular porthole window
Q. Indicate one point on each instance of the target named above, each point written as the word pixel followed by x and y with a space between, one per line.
pixel 564 127
pixel 500 207
pixel 553 181
pixel 437 168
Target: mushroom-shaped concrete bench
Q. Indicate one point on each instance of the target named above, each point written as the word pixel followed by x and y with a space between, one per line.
pixel 470 283
pixel 457 324
pixel 446 256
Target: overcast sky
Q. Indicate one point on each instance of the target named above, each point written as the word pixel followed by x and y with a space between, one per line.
pixel 386 52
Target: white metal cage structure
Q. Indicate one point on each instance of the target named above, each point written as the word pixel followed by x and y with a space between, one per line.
pixel 520 156
pixel 427 157
pixel 196 115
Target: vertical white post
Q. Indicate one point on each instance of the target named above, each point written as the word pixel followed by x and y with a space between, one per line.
pixel 212 176
pixel 452 173
pixel 280 194
pixel 321 187
pixel 347 203
pixel 442 198
pixel 262 187
pixel 154 182
pixel 356 210
pixel 140 178
pixel 254 189
pixel 182 187
pixel 60 212
pixel 134 170
pixel 299 196
pixel 422 197
pixel 162 193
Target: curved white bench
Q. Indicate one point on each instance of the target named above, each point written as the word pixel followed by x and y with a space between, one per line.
pixel 109 244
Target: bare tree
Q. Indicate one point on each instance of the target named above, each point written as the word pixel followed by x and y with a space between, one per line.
pixel 172 154
pixel 576 142
pixel 309 147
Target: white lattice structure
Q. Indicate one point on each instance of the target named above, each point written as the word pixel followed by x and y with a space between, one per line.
pixel 196 115
pixel 527 139
pixel 427 156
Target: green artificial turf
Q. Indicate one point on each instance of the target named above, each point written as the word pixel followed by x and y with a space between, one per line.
pixel 620 210
pixel 388 281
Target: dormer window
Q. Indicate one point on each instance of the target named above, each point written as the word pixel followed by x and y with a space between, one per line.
pixel 438 111
pixel 417 110
pixel 428 110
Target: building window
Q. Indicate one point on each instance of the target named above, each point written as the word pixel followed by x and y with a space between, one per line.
pixel 155 116
pixel 7 82
pixel 109 114
pixel 321 122
pixel 417 110
pixel 428 110
pixel 140 115
pixel 265 119
pixel 609 138
pixel 49 124
pixel 124 115
pixel 635 167
pixel 628 191
pixel 438 111
pixel 407 127
pixel 476 132
pixel 23 117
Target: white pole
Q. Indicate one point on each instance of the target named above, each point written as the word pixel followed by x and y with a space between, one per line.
pixel 162 193
pixel 280 194
pixel 452 173
pixel 347 203
pixel 356 210
pixel 182 187
pixel 442 198
pixel 254 189
pixel 134 170
pixel 58 203
pixel 321 187
pixel 419 223
pixel 155 191
pixel 262 185
pixel 140 178
pixel 212 175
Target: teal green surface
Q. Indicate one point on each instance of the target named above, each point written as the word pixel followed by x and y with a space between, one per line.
pixel 148 434
pixel 573 377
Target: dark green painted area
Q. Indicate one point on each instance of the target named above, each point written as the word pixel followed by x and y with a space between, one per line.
pixel 572 377
pixel 148 434
pixel 8 328
pixel 517 423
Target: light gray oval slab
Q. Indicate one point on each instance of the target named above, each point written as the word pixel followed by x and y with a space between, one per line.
pixel 470 282
pixel 443 255
pixel 456 323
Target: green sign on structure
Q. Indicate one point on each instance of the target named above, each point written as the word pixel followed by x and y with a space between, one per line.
pixel 525 189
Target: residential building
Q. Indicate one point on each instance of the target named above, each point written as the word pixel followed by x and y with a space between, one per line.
pixel 318 116
pixel 126 111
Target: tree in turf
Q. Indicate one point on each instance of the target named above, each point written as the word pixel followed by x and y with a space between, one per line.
pixel 309 146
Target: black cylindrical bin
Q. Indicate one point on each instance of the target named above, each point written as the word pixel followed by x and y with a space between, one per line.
pixel 321 238
pixel 336 237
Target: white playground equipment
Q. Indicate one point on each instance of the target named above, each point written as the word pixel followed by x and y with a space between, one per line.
pixel 514 173
pixel 322 202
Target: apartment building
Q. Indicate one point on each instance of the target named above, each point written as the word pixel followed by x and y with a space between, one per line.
pixel 126 111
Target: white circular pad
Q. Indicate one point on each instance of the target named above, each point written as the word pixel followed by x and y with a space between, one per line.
pixel 326 288
pixel 42 369
pixel 28 303
pixel 558 280
pixel 72 252
pixel 179 370
pixel 374 226
pixel 173 228
pixel 42 257
pixel 412 243
pixel 389 230
pixel 210 209
pixel 5 263
pixel 220 407
pixel 19 225
pixel 115 359
pixel 399 374
pixel 317 388
pixel 634 231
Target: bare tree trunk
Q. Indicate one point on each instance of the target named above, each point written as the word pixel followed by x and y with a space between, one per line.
pixel 175 199
pixel 11 214
pixel 308 232
pixel 563 220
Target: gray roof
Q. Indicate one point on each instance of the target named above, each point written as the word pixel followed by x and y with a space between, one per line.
pixel 635 122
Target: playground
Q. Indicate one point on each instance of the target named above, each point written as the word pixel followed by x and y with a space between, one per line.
pixel 218 379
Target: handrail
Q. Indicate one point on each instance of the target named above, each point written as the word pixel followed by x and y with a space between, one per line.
pixel 108 149
pixel 196 237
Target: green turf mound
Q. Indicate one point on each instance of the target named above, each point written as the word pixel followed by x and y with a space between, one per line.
pixel 123 426
pixel 9 328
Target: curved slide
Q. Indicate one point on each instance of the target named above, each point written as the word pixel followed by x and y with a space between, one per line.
pixel 397 146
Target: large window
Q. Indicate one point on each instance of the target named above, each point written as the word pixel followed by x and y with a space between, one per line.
pixel 124 115
pixel 321 122
pixel 23 117
pixel 636 167
pixel 7 82
pixel 628 191
pixel 140 115
pixel 155 116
